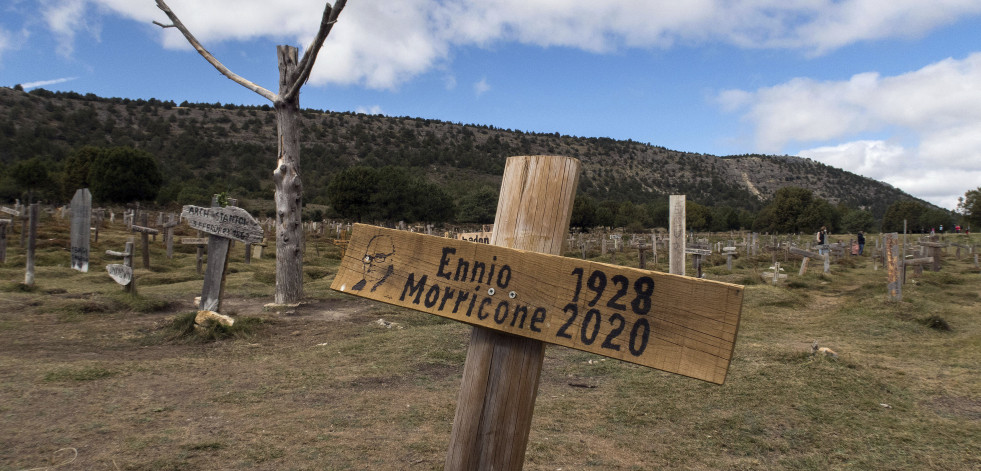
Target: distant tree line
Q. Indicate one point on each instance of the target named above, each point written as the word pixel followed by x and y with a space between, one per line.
pixel 377 168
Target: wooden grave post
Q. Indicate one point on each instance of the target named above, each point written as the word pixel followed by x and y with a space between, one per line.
pixel 32 216
pixel 14 212
pixel 676 234
pixel 934 250
pixel 123 273
pixel 168 228
pixel 145 232
pixel 222 226
pixel 4 224
pixel 81 223
pixel 697 254
pixel 518 299
pixel 893 263
pixel 201 242
pixel 808 254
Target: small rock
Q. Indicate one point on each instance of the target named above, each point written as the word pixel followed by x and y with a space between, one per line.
pixel 204 316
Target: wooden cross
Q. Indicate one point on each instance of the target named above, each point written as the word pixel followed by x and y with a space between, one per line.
pixel 223 225
pixel 123 273
pixel 145 239
pixel 518 296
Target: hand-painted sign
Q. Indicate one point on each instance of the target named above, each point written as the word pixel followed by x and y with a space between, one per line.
pixel 230 222
pixel 669 322
pixel 122 274
pixel 482 237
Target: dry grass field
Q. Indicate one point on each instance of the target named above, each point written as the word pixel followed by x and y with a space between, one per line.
pixel 93 378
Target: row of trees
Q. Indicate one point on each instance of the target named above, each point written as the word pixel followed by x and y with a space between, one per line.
pixel 113 175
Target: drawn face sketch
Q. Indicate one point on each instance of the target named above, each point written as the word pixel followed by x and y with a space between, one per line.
pixel 377 263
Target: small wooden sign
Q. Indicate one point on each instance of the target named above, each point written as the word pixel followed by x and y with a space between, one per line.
pixel 673 323
pixel 230 222
pixel 696 251
pixel 12 212
pixel 194 240
pixel 120 273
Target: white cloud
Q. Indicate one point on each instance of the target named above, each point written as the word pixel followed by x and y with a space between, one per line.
pixel 381 44
pixel 65 18
pixel 373 109
pixel 935 111
pixel 481 87
pixel 44 83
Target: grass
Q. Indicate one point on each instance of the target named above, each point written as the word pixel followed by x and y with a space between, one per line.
pixel 129 383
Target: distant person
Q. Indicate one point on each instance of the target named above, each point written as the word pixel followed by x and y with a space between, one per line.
pixel 822 239
pixel 861 242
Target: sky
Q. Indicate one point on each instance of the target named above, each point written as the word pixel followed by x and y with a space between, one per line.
pixel 887 89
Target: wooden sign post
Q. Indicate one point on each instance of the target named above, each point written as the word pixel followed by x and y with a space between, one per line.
pixel 222 225
pixel 676 234
pixel 80 229
pixel 518 294
pixel 808 255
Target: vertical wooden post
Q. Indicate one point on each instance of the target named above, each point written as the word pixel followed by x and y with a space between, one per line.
pixel 128 261
pixel 81 208
pixel 31 244
pixel 200 253
pixel 676 234
pixel 3 240
pixel 894 265
pixel 145 240
pixel 500 378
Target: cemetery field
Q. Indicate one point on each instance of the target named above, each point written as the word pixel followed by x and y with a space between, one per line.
pixel 92 377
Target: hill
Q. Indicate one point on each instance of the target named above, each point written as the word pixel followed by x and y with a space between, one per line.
pixel 210 148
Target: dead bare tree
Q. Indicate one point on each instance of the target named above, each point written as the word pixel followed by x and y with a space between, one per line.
pixel 289 189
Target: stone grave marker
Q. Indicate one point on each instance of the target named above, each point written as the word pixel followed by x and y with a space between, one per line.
pixel 81 223
pixel 33 214
pixel 223 225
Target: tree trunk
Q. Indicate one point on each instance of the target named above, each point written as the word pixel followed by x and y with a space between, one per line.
pixel 289 189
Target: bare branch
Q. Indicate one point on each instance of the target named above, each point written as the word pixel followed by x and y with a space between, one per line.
pixel 163 25
pixel 310 55
pixel 210 58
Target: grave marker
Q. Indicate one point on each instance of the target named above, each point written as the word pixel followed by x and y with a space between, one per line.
pixel 222 225
pixel 81 206
pixel 893 263
pixel 123 273
pixel 635 315
pixel 33 214
pixel 144 238
pixel 676 234
pixel 4 224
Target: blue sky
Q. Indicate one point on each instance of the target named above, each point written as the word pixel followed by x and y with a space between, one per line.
pixel 883 88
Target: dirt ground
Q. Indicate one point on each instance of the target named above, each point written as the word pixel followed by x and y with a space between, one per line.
pixel 93 379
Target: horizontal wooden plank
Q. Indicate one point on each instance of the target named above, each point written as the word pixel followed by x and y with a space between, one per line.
pixel 145 230
pixel 669 322
pixel 805 253
pixel 117 254
pixel 694 251
pixel 918 261
pixel 194 240
pixel 12 212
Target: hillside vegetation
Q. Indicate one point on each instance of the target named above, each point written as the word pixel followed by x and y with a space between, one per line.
pixel 204 149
